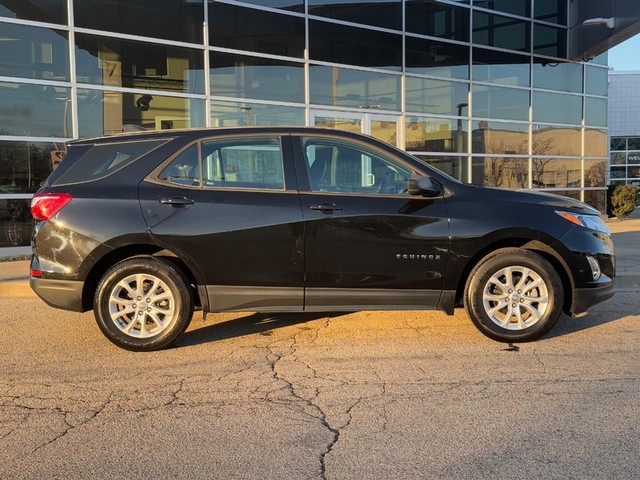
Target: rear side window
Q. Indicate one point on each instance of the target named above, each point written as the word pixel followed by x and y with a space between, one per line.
pixel 253 163
pixel 250 163
pixel 104 159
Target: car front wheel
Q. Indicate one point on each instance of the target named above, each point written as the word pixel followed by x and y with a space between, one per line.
pixel 143 304
pixel 514 295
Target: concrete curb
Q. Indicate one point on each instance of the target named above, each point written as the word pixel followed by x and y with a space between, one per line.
pixel 14 279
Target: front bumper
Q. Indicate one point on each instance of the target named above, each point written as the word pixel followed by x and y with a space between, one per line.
pixel 583 298
pixel 63 294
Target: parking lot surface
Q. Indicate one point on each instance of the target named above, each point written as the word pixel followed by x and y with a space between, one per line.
pixel 345 396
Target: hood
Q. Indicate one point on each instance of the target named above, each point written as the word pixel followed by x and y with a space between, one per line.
pixel 541 198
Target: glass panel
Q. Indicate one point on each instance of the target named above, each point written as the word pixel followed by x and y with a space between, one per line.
pixel 557 76
pixel 554 11
pixel 288 5
pixel 500 138
pixel 52 11
pixel 455 167
pixel 432 57
pixel 557 108
pixel 256 31
pixel 385 130
pixel 335 43
pixel 515 7
pixel 123 63
pixel 634 143
pixel 595 173
pixel 436 135
pixel 37 110
pixel 597 199
pixel 24 165
pixel 631 157
pixel 339 166
pixel 619 143
pixel 181 21
pixel 499 102
pixel 380 13
pixel 246 163
pixel 102 160
pixel 549 41
pixel 184 169
pixel 241 76
pixel 436 96
pixel 618 172
pixel 502 172
pixel 353 88
pixel 633 171
pixel 595 111
pixel 33 52
pixel 556 173
pixel 430 17
pixel 597 80
pixel 346 124
pixel 500 67
pixel 549 140
pixel 499 31
pixel 108 113
pixel 16 222
pixel 595 143
pixel 232 114
pixel 619 158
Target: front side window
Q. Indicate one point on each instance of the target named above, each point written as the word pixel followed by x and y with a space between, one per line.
pixel 336 166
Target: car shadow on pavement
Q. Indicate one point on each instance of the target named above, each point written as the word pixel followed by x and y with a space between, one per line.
pixel 567 325
pixel 261 323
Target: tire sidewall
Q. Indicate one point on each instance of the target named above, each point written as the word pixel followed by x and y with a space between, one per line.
pixel 174 281
pixel 486 269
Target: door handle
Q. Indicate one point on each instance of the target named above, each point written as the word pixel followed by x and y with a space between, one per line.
pixel 325 208
pixel 177 201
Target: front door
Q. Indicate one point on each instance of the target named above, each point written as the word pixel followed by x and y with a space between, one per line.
pixel 383 127
pixel 369 244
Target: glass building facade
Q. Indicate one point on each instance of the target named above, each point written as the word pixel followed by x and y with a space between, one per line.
pixel 481 89
pixel 624 127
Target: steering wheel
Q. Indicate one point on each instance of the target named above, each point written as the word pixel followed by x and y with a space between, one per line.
pixel 388 184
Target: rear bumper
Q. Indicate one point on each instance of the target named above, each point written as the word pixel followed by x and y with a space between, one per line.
pixel 63 294
pixel 583 298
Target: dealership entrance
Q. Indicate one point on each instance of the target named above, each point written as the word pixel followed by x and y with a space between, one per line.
pixel 381 126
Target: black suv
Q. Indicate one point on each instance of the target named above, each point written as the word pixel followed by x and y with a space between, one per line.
pixel 143 228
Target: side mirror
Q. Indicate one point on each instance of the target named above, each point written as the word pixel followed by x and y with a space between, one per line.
pixel 421 185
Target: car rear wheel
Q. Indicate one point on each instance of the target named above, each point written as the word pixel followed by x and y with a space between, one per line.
pixel 143 304
pixel 514 295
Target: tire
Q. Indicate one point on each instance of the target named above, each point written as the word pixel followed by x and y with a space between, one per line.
pixel 490 297
pixel 167 311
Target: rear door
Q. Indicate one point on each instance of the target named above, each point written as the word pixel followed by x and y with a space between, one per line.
pixel 369 244
pixel 230 207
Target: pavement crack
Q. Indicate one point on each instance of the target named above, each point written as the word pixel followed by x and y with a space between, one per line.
pixel 70 426
pixel 544 367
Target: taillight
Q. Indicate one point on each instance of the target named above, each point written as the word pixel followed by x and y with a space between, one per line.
pixel 46 205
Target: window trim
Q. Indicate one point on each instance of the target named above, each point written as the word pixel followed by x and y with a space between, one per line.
pixel 154 176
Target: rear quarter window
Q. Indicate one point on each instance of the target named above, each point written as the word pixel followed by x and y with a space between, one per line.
pixel 102 160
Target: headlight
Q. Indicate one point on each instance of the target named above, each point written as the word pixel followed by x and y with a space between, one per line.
pixel 592 222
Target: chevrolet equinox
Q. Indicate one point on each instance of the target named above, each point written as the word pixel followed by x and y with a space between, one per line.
pixel 144 228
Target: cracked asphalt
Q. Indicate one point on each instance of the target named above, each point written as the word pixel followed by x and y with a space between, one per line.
pixel 378 395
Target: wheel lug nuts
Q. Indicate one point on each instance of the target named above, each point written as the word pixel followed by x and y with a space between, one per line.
pixel 139 298
pixel 135 306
